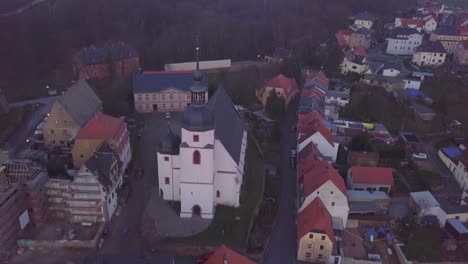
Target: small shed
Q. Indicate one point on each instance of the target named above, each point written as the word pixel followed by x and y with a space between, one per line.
pixel 457 229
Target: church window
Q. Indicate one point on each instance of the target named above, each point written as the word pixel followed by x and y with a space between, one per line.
pixel 166 158
pixel 196 138
pixel 166 180
pixel 218 194
pixel 196 157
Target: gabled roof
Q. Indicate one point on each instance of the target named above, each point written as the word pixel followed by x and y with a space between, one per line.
pixel 80 102
pixel 320 173
pixel 431 46
pixel 225 253
pixel 306 118
pixel 402 33
pixel 408 22
pixel 364 16
pixel 315 126
pixel 317 78
pixel 315 218
pixel 281 81
pixel 102 126
pixel 229 125
pixel 100 164
pixel 424 199
pixel 372 175
pixel 155 82
pixel 340 36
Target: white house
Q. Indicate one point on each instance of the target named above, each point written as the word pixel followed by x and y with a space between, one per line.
pixel 354 61
pixel 205 166
pixel 412 82
pixel 424 204
pixel 461 173
pixel 319 135
pixel 324 182
pixel 403 41
pixel 340 98
pixel 449 156
pixel 391 70
pixel 364 19
pixel 430 54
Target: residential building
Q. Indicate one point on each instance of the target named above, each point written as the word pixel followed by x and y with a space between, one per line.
pixel 70 112
pixel 102 128
pixel 460 53
pixel 370 179
pixel 391 70
pixel 163 91
pixel 461 171
pixel 89 195
pixel 97 62
pixel 205 166
pixel 360 37
pixel 403 41
pixel 283 86
pixel 354 60
pixel 449 37
pixel 425 23
pixel 323 181
pixel 316 132
pixel 340 98
pixel 315 233
pixel 430 54
pixel 364 19
pixel 225 255
pixel 449 156
pixel 412 82
pixel 424 205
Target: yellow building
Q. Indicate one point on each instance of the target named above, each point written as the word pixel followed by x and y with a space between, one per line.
pixel 283 86
pixel 163 91
pixel 315 233
pixel 448 37
pixel 70 112
pixel 430 54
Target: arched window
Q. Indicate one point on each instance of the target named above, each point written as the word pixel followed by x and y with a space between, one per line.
pixel 196 157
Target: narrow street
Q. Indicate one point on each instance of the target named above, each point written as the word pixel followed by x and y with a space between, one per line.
pixel 281 248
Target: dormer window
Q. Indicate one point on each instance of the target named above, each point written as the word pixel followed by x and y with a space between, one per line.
pixel 196 138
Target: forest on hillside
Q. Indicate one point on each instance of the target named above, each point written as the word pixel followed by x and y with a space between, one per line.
pixel 38 44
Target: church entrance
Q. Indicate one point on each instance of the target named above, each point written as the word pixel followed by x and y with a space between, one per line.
pixel 196 210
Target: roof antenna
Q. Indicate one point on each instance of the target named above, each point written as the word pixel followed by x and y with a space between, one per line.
pixel 197 49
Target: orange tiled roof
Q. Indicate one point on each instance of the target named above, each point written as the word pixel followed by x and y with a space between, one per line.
pixel 225 253
pixel 372 175
pixel 319 174
pixel 315 218
pixel 281 81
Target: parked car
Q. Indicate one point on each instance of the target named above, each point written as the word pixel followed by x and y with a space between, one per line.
pixel 419 155
pixel 204 257
pixel 168 115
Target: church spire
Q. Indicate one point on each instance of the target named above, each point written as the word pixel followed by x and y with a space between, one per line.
pixel 199 94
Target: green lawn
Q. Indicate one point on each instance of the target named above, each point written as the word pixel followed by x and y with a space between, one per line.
pixel 225 228
pixel 424 245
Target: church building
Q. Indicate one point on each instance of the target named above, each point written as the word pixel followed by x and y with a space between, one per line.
pixel 205 166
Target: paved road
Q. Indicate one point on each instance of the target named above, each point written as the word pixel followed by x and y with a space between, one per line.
pixel 17 140
pixel 281 248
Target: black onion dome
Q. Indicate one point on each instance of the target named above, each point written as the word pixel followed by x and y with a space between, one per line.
pixel 198 118
pixel 197 75
pixel 169 144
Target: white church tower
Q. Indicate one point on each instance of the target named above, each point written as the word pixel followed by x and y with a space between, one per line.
pixel 197 154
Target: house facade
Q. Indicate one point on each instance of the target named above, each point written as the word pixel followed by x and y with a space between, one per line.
pixel 360 37
pixel 102 128
pixel 315 233
pixel 354 61
pixel 70 112
pixel 163 91
pixel 449 37
pixel 430 54
pixel 460 53
pixel 340 98
pixel 283 86
pixel 98 62
pixel 403 41
pixel 461 171
pixel 370 179
pixel 319 135
pixel 205 165
pixel 364 19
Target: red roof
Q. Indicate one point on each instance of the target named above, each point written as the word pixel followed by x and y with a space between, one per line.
pixel 315 218
pixel 307 159
pixel 315 126
pixel 225 253
pixel 372 175
pixel 340 36
pixel 319 76
pixel 360 51
pixel 321 171
pixel 281 81
pixel 306 118
pixel 407 22
pixel 105 127
pixel 462 30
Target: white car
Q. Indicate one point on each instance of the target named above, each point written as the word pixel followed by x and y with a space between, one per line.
pixel 168 115
pixel 419 155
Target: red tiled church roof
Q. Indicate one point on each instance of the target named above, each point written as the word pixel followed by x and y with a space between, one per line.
pixel 281 81
pixel 372 175
pixel 315 218
pixel 225 253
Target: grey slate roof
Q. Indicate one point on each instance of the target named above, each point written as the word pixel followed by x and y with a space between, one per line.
pixel 198 118
pixel 100 164
pixel 80 102
pixel 229 125
pixel 160 81
pixel 364 16
pixel 431 46
pixel 97 55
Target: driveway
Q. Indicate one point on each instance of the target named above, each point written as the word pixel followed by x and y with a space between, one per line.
pixel 281 248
